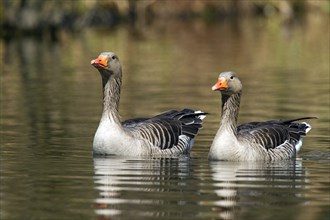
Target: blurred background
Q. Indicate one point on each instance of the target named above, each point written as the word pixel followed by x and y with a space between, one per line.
pixel 172 53
pixel 37 17
pixel 50 18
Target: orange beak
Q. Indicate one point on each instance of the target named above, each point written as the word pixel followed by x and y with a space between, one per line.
pixel 100 62
pixel 220 85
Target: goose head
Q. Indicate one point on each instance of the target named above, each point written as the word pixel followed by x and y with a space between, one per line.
pixel 228 83
pixel 107 64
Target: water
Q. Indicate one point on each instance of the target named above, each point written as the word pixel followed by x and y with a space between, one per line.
pixel 51 104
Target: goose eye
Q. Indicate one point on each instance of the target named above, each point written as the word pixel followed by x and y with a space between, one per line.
pixel 113 57
pixel 232 77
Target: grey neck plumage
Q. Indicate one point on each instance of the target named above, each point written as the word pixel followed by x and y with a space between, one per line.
pixel 111 96
pixel 230 109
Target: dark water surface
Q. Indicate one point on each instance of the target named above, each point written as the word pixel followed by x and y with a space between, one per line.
pixel 51 104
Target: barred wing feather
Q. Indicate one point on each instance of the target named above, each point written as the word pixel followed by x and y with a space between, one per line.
pixel 164 130
pixel 271 134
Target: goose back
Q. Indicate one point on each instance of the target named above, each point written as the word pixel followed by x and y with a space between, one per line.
pixel 165 130
pixel 271 134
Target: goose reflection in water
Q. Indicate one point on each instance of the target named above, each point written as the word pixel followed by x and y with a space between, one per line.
pixel 128 186
pixel 241 186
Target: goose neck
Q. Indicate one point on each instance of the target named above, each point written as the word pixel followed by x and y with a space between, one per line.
pixel 230 110
pixel 111 97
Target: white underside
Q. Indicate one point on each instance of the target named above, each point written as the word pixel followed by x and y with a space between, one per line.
pixel 300 142
pixel 299 145
pixel 110 138
pixel 225 146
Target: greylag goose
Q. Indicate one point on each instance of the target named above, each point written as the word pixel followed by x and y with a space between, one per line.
pixel 169 133
pixel 269 140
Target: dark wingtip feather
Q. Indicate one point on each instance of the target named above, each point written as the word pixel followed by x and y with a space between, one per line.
pixel 191 121
pixel 298 119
